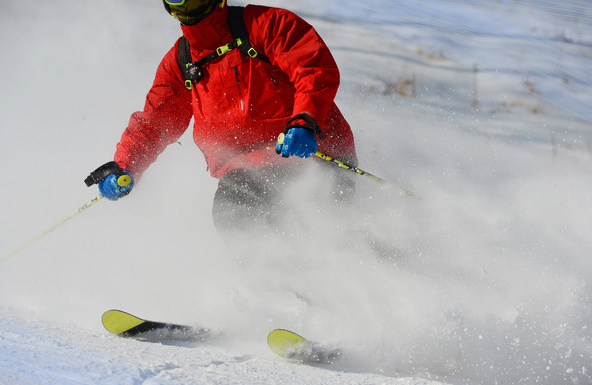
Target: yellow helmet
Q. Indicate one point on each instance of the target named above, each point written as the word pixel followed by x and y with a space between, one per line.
pixel 190 12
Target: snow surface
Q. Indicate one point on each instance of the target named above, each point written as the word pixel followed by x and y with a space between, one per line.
pixel 483 279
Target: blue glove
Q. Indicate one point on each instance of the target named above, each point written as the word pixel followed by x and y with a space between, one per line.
pixel 115 186
pixel 114 182
pixel 297 141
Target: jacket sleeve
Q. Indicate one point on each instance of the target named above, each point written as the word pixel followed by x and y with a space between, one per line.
pixel 166 115
pixel 293 45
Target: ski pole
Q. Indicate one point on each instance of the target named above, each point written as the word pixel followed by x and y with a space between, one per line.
pixel 361 172
pixel 53 227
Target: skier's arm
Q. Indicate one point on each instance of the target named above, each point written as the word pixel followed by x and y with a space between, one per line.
pixel 166 115
pixel 293 45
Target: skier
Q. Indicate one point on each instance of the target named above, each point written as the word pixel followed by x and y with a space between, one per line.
pixel 246 111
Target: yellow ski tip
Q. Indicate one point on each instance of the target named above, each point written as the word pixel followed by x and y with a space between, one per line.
pixel 118 322
pixel 284 343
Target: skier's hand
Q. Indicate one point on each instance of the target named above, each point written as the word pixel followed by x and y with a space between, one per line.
pixel 299 137
pixel 114 182
pixel 297 141
pixel 116 186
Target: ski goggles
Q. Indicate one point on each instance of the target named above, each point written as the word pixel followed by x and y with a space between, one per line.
pixel 182 2
pixel 175 2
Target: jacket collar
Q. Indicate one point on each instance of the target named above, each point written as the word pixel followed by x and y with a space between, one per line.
pixel 210 33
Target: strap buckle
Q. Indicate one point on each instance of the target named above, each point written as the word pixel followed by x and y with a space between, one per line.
pixel 223 50
pixel 252 53
pixel 228 47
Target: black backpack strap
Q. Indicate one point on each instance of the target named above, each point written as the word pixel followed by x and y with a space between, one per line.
pixel 238 29
pixel 185 61
pixel 184 51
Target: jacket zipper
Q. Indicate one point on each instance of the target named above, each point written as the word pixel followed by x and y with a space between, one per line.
pixel 271 77
pixel 242 104
pixel 236 74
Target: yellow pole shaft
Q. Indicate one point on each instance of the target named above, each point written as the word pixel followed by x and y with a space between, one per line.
pixel 361 172
pixel 53 227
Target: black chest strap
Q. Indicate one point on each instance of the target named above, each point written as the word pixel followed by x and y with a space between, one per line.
pixel 193 71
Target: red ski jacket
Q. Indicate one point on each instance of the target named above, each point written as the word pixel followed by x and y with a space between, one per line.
pixel 242 104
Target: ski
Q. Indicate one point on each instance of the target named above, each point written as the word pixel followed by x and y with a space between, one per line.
pixel 282 342
pixel 290 345
pixel 127 325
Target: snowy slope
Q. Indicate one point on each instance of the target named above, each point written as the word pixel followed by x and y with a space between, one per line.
pixel 484 279
pixel 35 352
